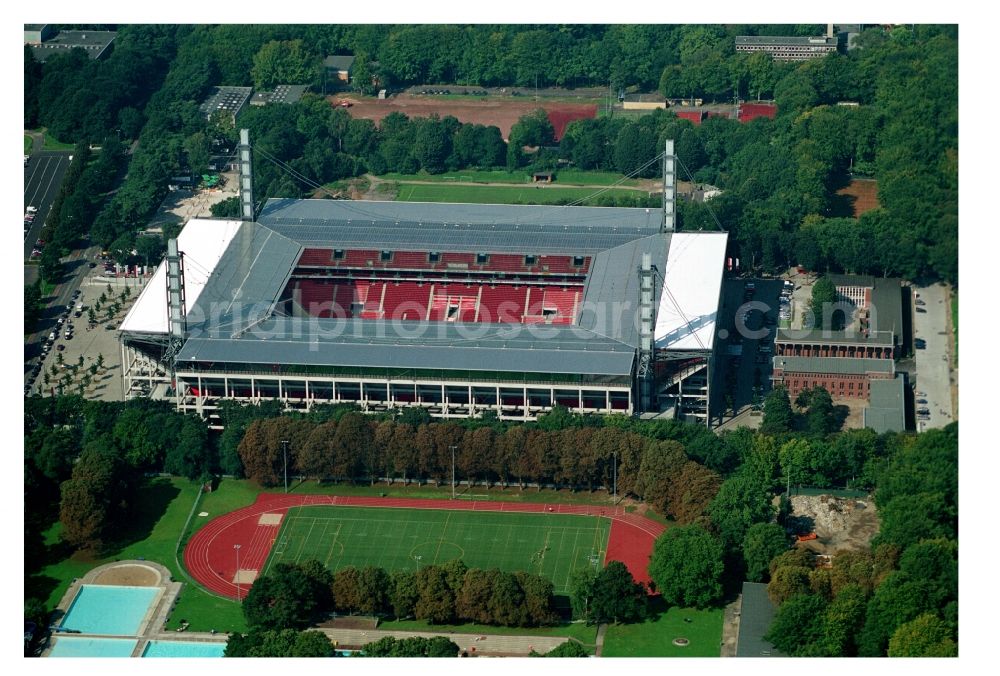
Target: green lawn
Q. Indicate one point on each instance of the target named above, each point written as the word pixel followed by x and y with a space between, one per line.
pixel 52 143
pixel 563 177
pixel 654 638
pixel 551 545
pixel 157 523
pixel 527 194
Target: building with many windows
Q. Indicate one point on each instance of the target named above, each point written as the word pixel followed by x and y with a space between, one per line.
pixel 787 48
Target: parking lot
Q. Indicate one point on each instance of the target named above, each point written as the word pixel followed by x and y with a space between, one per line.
pixel 92 343
pixel 42 177
pixel 933 362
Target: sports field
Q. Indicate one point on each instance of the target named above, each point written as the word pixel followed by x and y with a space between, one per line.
pixel 528 194
pixel 552 545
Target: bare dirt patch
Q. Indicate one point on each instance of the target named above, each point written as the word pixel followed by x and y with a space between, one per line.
pixel 499 112
pixel 129 576
pixel 364 623
pixel 862 194
pixel 839 523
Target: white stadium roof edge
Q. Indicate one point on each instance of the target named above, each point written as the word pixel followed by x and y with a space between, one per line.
pixel 203 242
pixel 686 312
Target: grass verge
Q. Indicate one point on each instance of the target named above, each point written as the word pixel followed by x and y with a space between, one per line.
pixel 563 177
pixel 409 192
pixel 654 637
pixel 27 144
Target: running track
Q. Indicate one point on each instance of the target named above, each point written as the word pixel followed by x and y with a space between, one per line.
pixel 210 557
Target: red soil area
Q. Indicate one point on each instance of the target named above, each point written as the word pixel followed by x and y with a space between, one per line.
pixel 499 112
pixel 210 556
pixel 863 194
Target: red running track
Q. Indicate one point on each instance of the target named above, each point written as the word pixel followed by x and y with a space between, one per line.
pixel 210 555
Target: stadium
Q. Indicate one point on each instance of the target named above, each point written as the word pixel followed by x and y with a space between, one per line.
pixel 456 308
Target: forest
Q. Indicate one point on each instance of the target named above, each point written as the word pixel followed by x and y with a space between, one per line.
pixel 780 177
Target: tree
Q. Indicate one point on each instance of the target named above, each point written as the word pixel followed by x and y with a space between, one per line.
pixel 741 502
pixel 788 582
pixel 778 416
pixel 661 463
pixel 798 624
pixel 763 542
pixel 435 601
pixel 617 597
pixel 896 601
pixel 581 591
pixel 568 649
pixel 286 598
pixel 924 636
pixel 824 307
pixel 686 566
pixel 403 593
pixel 284 62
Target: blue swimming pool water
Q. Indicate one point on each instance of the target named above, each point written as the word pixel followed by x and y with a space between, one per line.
pixel 183 649
pixel 105 609
pixel 77 646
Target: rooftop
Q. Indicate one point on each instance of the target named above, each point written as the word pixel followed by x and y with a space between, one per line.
pixel 780 40
pixel 756 614
pixel 885 412
pixel 849 337
pixel 229 99
pixel 94 43
pixel 887 307
pixel 339 62
pixel 434 226
pixel 834 365
pixel 865 281
pixel 281 94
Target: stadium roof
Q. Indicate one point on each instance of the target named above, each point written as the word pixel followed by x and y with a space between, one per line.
pixel 204 243
pixel 834 365
pixel 692 285
pixel 443 345
pixel 434 226
pixel 885 412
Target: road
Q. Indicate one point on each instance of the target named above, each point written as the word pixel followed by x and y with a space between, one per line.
pixel 42 178
pixel 752 368
pixel 934 374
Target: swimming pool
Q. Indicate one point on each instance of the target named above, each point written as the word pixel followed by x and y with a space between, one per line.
pixel 183 649
pixel 107 609
pixel 77 646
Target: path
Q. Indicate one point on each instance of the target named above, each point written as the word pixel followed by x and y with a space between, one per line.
pixel 601 631
pixel 731 628
pixel 478 644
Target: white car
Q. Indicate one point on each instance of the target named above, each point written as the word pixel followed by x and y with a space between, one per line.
pixel 31 210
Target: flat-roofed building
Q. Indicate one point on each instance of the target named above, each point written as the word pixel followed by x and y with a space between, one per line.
pixel 842 378
pixel 46 42
pixel 787 48
pixel 339 67
pixel 281 94
pixel 230 100
pixel 886 408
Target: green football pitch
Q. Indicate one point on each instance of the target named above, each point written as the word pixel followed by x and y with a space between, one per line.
pixel 551 545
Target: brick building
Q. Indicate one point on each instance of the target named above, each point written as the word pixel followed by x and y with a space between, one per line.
pixel 842 378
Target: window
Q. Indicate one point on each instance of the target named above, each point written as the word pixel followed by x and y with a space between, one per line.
pixel 338 254
pixel 530 260
pixel 433 257
pixel 578 261
pixel 482 258
pixel 386 256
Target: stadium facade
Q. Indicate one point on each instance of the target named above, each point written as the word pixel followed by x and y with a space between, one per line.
pixel 457 308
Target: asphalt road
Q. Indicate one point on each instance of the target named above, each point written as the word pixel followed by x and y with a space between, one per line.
pixel 42 178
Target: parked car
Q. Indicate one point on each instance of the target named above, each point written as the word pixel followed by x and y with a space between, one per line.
pixel 920 302
pixel 920 394
pixel 60 347
pixel 921 401
pixel 920 309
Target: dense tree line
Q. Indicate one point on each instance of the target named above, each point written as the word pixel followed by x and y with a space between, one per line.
pixel 899 597
pixel 280 643
pixel 658 471
pixel 610 594
pixel 414 646
pixel 295 596
pixel 86 461
pixel 82 99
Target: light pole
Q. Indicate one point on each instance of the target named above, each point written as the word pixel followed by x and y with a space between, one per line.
pixel 284 455
pixel 239 592
pixel 452 472
pixel 615 473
